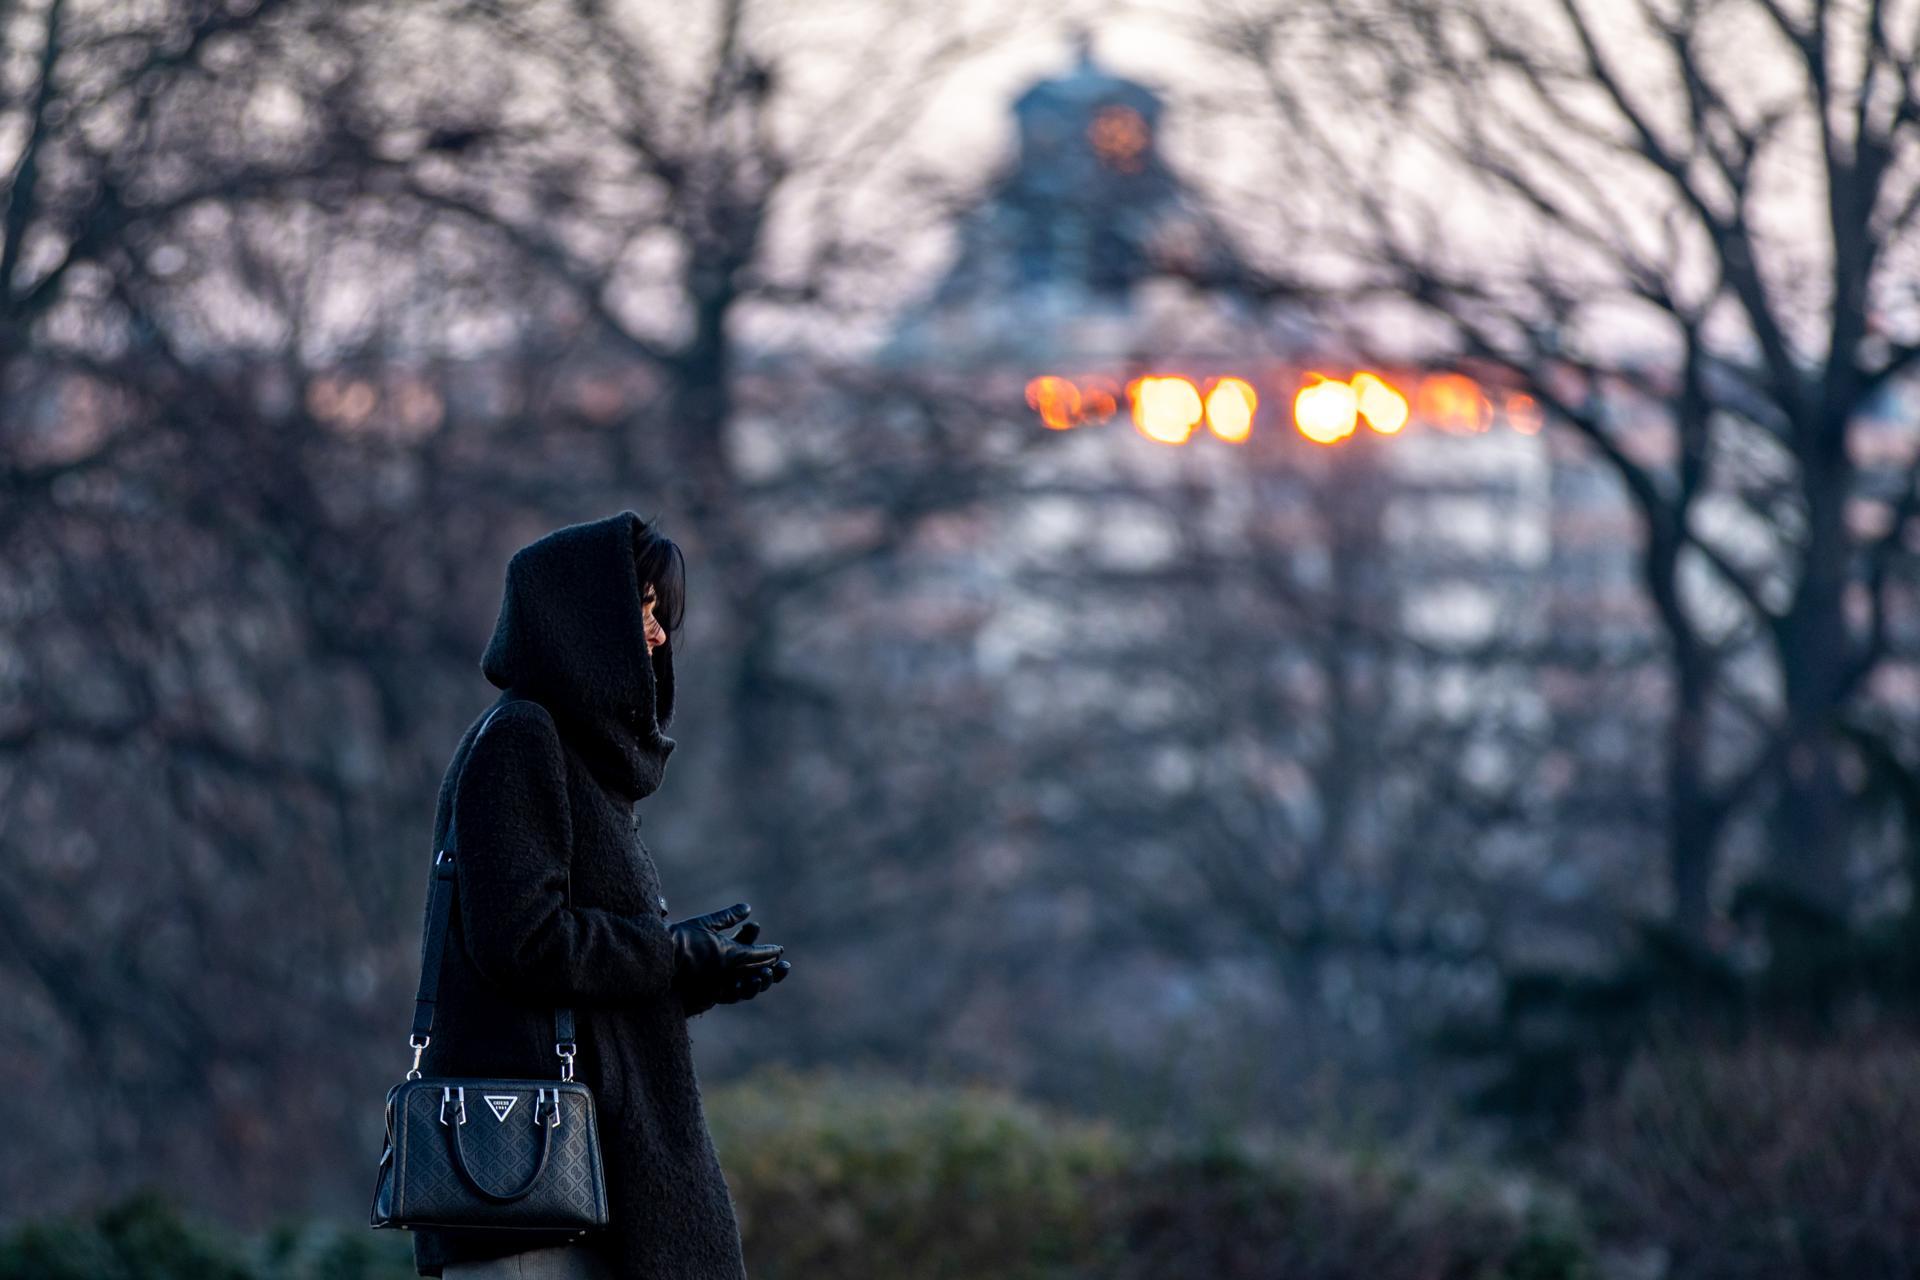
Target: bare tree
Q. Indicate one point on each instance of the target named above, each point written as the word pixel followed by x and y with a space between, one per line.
pixel 1706 204
pixel 311 325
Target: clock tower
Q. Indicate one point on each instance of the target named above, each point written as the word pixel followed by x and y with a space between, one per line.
pixel 1086 211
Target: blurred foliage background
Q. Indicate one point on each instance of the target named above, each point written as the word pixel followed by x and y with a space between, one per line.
pixel 1302 615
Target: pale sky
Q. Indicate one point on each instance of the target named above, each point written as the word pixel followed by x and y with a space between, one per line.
pixel 841 61
pixel 965 130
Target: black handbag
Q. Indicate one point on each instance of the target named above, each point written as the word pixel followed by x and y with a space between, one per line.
pixel 474 1154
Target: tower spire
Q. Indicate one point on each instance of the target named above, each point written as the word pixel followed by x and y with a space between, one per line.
pixel 1082 36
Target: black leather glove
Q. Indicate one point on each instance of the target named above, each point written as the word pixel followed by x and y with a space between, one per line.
pixel 708 965
pixel 750 982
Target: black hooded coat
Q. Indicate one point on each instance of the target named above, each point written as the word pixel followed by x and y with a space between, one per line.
pixel 546 804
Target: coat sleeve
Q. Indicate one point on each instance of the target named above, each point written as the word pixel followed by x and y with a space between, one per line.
pixel 514 830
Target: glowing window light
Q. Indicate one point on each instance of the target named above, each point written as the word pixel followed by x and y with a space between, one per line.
pixel 1384 408
pixel 1165 409
pixel 1056 400
pixel 1230 406
pixel 1119 136
pixel 1099 398
pixel 1523 414
pixel 1326 411
pixel 345 403
pixel 1452 402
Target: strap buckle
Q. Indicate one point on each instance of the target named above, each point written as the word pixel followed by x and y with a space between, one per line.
pixel 419 1044
pixel 566 1050
pixel 447 1094
pixel 542 1095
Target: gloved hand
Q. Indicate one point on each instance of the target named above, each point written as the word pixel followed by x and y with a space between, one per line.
pixel 748 983
pixel 708 965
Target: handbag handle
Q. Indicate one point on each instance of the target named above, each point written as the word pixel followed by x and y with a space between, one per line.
pixel 540 1166
pixel 434 944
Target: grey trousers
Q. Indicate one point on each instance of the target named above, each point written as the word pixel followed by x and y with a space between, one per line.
pixel 562 1262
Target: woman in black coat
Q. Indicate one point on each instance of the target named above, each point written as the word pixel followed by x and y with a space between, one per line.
pixel 559 903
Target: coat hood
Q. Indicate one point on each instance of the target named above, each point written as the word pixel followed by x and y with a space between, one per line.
pixel 571 636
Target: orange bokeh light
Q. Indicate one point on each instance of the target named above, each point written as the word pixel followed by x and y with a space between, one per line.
pixel 1384 408
pixel 1523 414
pixel 1099 398
pixel 1230 406
pixel 1119 136
pixel 1169 408
pixel 1453 402
pixel 1166 409
pixel 1326 411
pixel 1056 400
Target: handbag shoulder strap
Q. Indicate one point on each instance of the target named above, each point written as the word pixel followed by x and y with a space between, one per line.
pixel 440 890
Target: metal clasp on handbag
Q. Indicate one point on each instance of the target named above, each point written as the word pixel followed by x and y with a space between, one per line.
pixel 456 1094
pixel 419 1044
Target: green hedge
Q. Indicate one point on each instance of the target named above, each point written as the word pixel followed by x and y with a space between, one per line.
pixel 838 1175
pixel 146 1237
pixel 842 1176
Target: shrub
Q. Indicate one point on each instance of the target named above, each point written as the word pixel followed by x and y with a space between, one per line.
pixel 141 1238
pixel 1763 1160
pixel 840 1175
pixel 1561 1039
pixel 837 1176
pixel 146 1237
pixel 1309 1214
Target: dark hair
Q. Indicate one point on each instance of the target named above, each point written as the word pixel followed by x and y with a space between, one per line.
pixel 659 561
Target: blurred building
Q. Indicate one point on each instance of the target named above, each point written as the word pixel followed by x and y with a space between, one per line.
pixel 1466 528
pixel 1052 260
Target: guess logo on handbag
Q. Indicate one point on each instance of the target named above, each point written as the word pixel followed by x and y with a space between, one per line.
pixel 501 1103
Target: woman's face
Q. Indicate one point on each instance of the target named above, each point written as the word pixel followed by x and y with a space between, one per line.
pixel 656 634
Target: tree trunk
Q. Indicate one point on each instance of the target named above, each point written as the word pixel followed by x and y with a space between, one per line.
pixel 1693 814
pixel 1811 835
